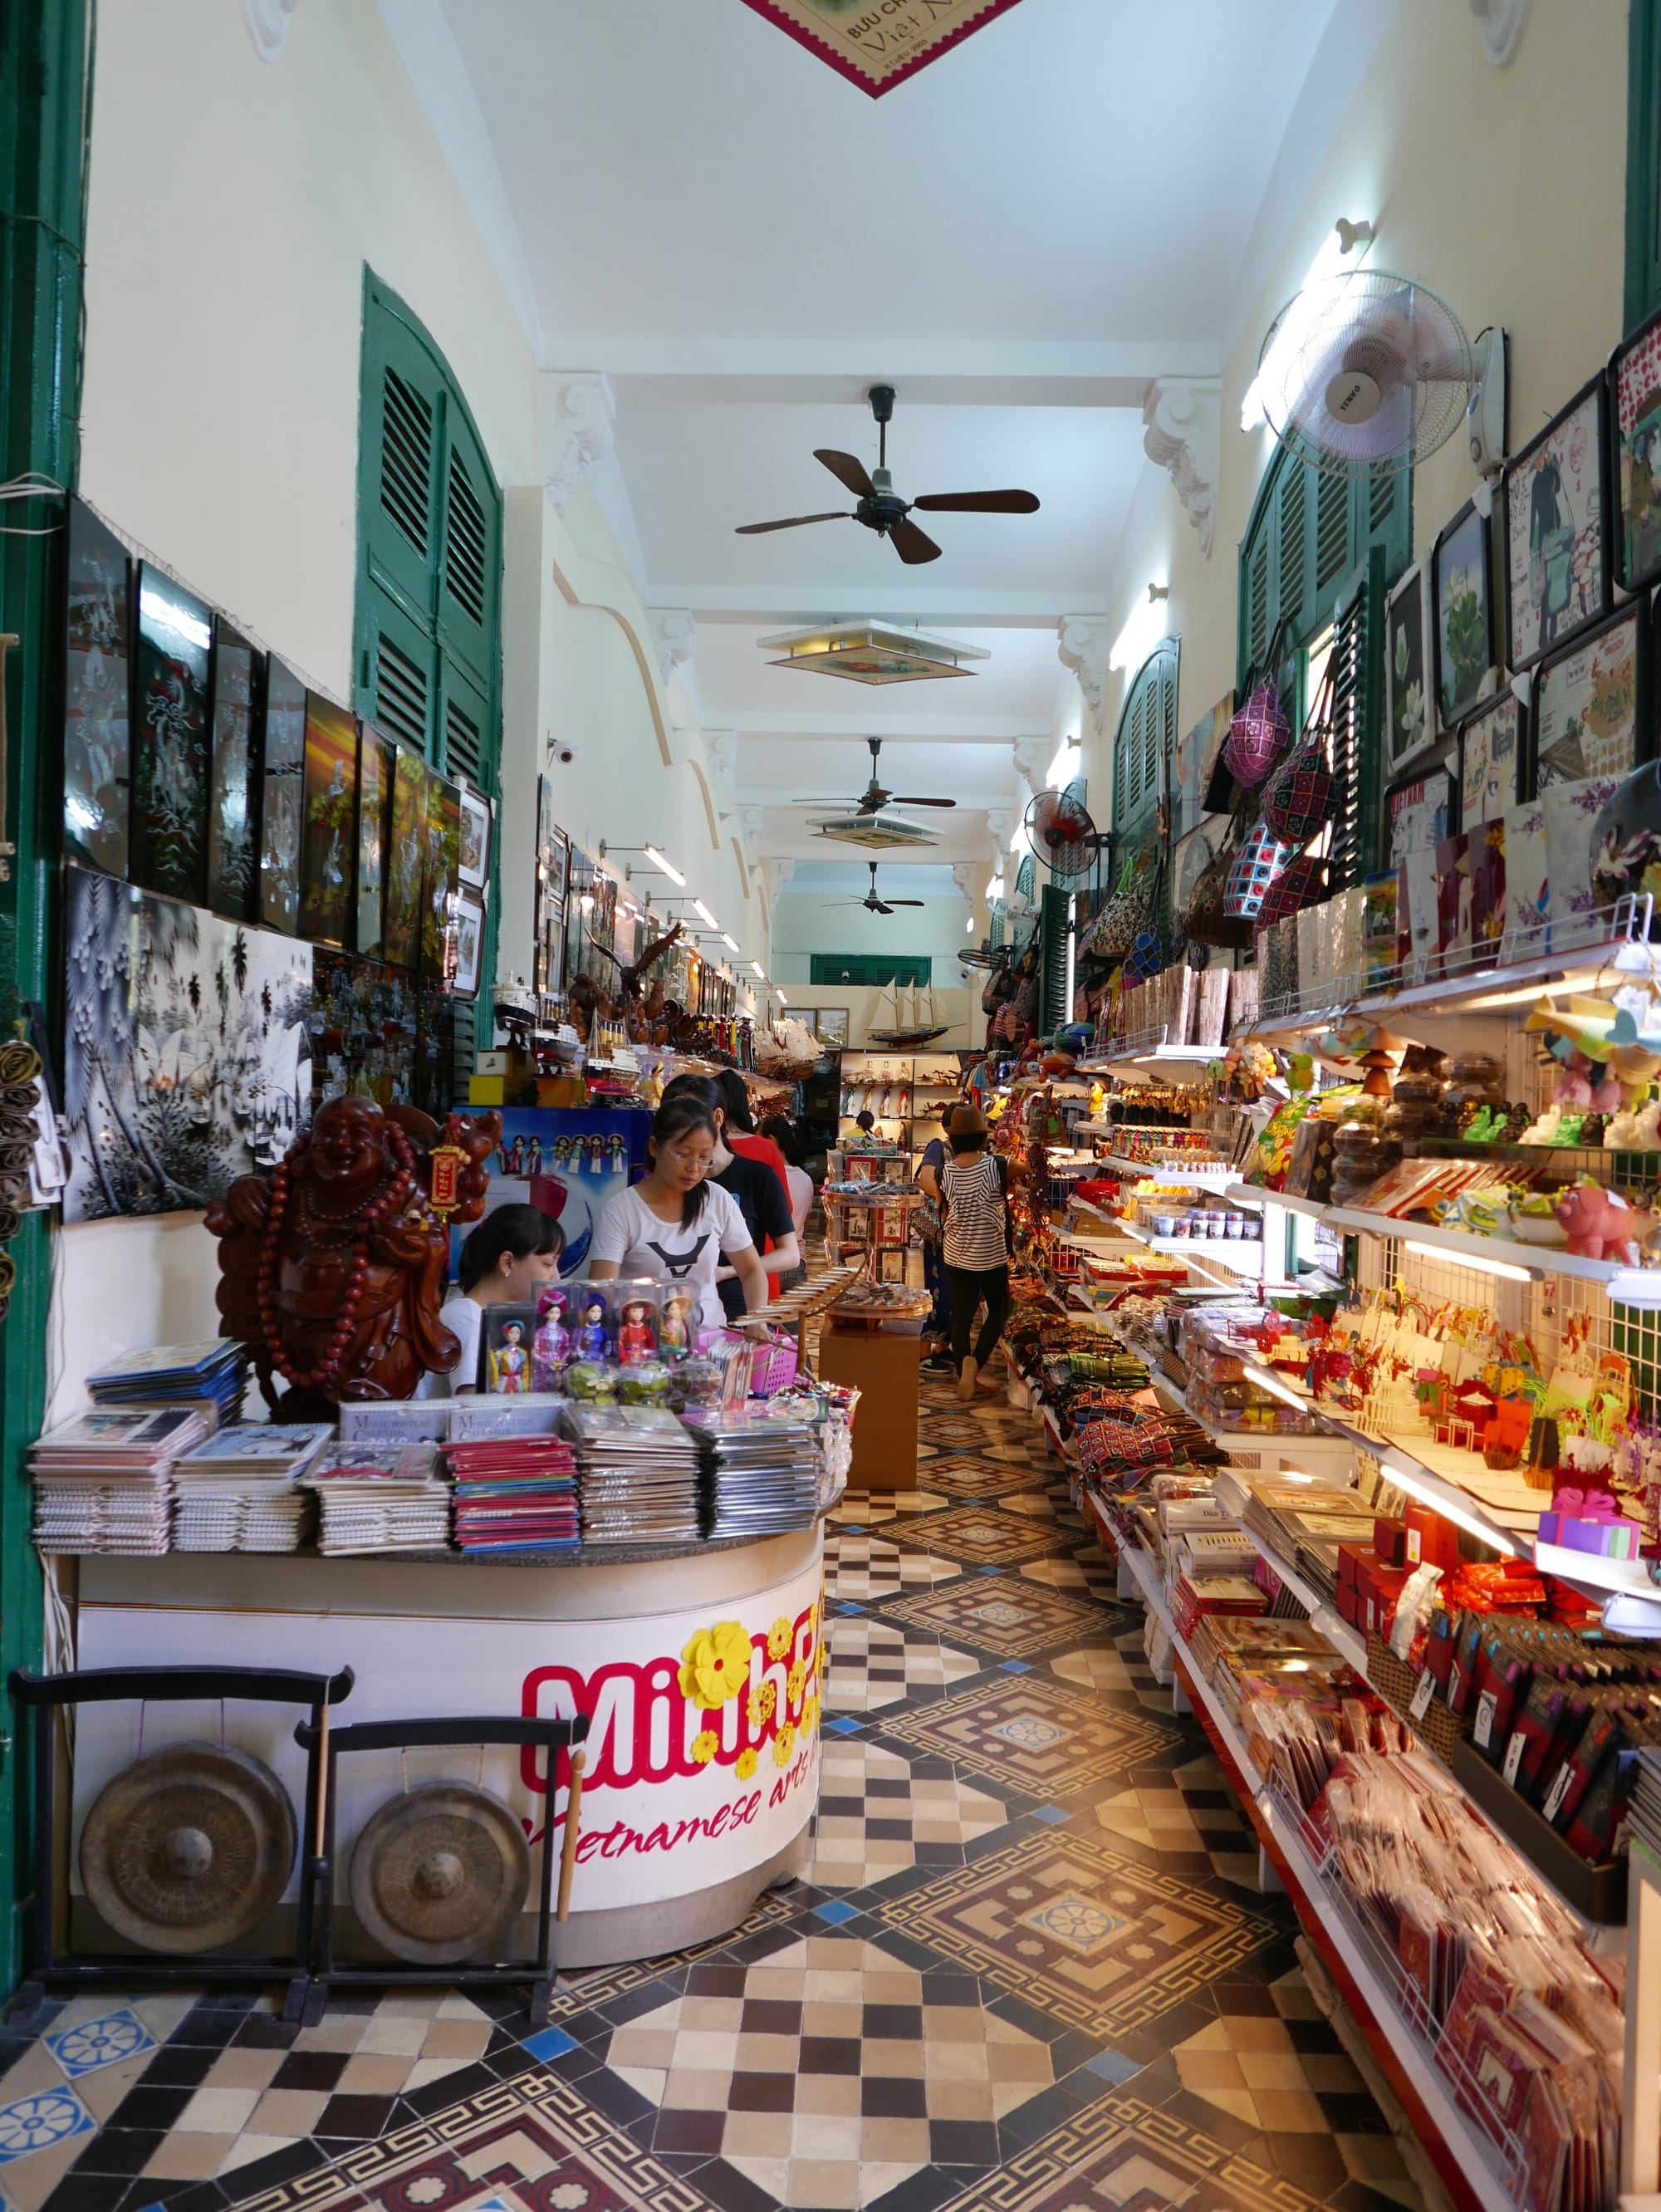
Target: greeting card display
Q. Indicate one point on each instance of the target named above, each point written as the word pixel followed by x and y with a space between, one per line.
pixel 1526 890
pixel 477 814
pixel 1634 377
pixel 169 846
pixel 330 832
pixel 1570 812
pixel 1408 722
pixel 281 784
pixel 1591 704
pixel 1418 816
pixel 97 729
pixel 374 811
pixel 1490 761
pixel 1556 511
pixel 405 859
pixel 1462 598
pixel 234 788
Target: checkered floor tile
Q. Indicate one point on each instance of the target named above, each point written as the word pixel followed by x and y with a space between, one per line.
pixel 1088 1569
pixel 858 1567
pixel 874 1664
pixel 1001 1614
pixel 1191 1814
pixel 968 1474
pixel 877 1816
pixel 1033 1736
pixel 866 1509
pixel 828 2074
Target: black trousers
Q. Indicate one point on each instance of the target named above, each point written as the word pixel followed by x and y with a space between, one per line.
pixel 969 1285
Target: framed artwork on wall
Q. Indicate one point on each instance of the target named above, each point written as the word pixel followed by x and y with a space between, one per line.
pixel 831 1026
pixel 1419 815
pixel 374 808
pixel 168 853
pixel 1462 607
pixel 405 854
pixel 1197 757
pixel 1190 858
pixel 1634 382
pixel 282 775
pixel 470 943
pixel 442 876
pixel 1591 704
pixel 1492 760
pixel 1556 505
pixel 97 708
pixel 477 818
pixel 329 831
pixel 234 786
pixel 1409 723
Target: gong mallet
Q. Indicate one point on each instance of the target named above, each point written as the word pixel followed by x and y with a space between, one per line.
pixel 573 1815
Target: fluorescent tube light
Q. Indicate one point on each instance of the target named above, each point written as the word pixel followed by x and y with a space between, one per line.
pixel 667 866
pixel 1428 1494
pixel 756 968
pixel 699 904
pixel 731 943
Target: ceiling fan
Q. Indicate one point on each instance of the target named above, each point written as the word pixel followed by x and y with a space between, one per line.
pixel 881 507
pixel 865 822
pixel 872 904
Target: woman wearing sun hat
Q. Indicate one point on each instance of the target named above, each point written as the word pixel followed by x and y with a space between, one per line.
pixel 975 1240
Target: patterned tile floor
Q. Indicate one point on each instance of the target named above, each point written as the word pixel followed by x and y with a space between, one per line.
pixel 1028 1970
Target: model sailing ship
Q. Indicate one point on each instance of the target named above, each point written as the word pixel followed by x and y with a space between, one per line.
pixel 907 1017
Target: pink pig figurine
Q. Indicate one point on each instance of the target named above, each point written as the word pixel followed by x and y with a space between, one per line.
pixel 1602 1225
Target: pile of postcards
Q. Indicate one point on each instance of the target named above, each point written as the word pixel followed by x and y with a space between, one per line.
pixel 639 1480
pixel 380 1498
pixel 103 1481
pixel 764 1469
pixel 213 1374
pixel 240 1491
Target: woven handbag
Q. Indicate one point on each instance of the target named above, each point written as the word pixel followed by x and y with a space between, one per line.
pixel 1300 882
pixel 1205 920
pixel 1115 928
pixel 1260 858
pixel 1297 799
pixel 1259 736
pixel 1113 1443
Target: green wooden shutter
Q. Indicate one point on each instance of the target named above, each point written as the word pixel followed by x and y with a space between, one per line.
pixel 468 621
pixel 1308 532
pixel 1144 742
pixel 1643 258
pixel 1054 929
pixel 1358 720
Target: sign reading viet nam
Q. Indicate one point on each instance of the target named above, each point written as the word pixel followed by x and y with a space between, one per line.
pixel 877 44
pixel 702 1752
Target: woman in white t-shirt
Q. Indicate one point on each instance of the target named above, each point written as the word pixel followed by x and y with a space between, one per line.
pixel 676 1226
pixel 505 1261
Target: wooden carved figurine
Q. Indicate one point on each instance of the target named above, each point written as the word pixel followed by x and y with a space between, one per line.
pixel 332 1270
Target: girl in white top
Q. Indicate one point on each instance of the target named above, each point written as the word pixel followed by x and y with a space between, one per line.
pixel 675 1226
pixel 505 1261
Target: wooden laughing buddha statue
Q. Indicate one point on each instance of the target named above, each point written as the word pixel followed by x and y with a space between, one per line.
pixel 332 1270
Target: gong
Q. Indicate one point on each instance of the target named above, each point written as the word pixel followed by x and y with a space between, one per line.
pixel 439 1872
pixel 188 1848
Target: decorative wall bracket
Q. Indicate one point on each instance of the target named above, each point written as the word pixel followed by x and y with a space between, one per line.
pixel 268 24
pixel 1032 756
pixel 963 875
pixel 1081 642
pixel 1182 434
pixel 1502 22
pixel 579 417
pixel 671 639
pixel 1000 827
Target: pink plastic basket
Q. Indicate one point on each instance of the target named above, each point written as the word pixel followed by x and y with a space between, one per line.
pixel 772 1366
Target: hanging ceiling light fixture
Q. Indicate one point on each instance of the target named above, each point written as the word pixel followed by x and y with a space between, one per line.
pixel 872 651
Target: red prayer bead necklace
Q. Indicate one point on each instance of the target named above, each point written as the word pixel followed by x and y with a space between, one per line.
pixel 356 1226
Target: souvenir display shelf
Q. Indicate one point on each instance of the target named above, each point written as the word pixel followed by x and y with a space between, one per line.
pixel 927 1082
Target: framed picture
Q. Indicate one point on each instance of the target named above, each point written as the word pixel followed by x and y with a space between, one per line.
pixel 169 850
pixel 233 782
pixel 1591 704
pixel 470 943
pixel 478 815
pixel 1409 726
pixel 1634 382
pixel 375 757
pixel 281 782
pixel 831 1026
pixel 97 712
pixel 1462 602
pixel 552 849
pixel 442 882
pixel 550 951
pixel 1492 760
pixel 1557 509
pixel 330 827
pixel 401 941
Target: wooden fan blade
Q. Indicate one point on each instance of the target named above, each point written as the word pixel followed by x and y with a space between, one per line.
pixel 912 544
pixel 979 502
pixel 893 903
pixel 790 522
pixel 880 908
pixel 848 469
pixel 921 802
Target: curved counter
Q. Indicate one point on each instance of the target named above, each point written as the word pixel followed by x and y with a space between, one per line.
pixel 700 1667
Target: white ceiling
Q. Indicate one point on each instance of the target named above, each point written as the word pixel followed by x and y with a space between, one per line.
pixel 1065 205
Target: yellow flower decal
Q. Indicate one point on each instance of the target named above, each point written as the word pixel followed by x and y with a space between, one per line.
pixel 810 1713
pixel 745 1766
pixel 779 1638
pixel 762 1699
pixel 715 1665
pixel 782 1745
pixel 705 1745
pixel 796 1681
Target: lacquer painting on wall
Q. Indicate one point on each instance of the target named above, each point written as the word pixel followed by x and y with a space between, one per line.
pixel 97 730
pixel 374 802
pixel 402 940
pixel 169 850
pixel 186 1055
pixel 281 798
pixel 233 789
pixel 329 829
pixel 1557 518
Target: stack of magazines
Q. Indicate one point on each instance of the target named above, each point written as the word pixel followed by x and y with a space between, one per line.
pixel 103 1482
pixel 380 1498
pixel 764 1470
pixel 239 1490
pixel 214 1374
pixel 638 1477
pixel 515 1495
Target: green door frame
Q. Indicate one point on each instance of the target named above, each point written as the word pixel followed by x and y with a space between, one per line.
pixel 44 121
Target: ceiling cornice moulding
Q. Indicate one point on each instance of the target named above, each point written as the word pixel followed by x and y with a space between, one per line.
pixel 1182 434
pixel 578 421
pixel 671 629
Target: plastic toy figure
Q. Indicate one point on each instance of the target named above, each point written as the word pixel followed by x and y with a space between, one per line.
pixel 516 1158
pixel 618 1153
pixel 550 1347
pixel 591 1336
pixel 635 1337
pixel 533 1158
pixel 509 1363
pixel 596 1154
pixel 674 1323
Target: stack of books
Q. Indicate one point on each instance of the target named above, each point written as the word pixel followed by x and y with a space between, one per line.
pixel 240 1491
pixel 213 1374
pixel 380 1498
pixel 516 1495
pixel 103 1481
pixel 639 1476
pixel 764 1470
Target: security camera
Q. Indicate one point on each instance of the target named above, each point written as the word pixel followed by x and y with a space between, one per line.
pixel 565 754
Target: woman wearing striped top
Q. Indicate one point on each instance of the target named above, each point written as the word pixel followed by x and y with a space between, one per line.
pixel 975 1244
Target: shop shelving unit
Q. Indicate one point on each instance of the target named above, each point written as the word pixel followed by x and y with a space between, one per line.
pixel 929 1079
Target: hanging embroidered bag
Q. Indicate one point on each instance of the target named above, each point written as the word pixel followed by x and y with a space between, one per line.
pixel 1260 858
pixel 1300 882
pixel 1297 799
pixel 1260 735
pixel 1205 920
